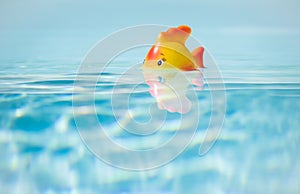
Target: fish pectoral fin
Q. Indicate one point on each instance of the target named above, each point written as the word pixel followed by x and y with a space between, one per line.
pixel 179 34
pixel 198 56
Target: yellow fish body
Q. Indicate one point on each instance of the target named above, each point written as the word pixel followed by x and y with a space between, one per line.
pixel 169 51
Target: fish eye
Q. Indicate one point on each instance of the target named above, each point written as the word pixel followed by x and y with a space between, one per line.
pixel 160 62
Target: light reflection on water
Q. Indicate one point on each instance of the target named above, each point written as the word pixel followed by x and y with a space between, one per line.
pixel 256 152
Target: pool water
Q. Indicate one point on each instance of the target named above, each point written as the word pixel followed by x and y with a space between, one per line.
pixel 257 150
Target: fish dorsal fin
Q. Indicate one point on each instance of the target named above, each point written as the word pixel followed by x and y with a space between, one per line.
pixel 179 34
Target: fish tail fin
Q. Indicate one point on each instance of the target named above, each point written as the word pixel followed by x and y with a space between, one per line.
pixel 198 56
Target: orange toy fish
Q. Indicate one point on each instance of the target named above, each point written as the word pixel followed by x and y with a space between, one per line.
pixel 169 51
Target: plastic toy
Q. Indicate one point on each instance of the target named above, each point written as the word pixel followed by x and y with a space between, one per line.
pixel 169 51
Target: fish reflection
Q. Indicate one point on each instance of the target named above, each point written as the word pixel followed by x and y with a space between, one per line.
pixel 169 88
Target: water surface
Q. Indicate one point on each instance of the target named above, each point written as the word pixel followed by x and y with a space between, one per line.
pixel 256 152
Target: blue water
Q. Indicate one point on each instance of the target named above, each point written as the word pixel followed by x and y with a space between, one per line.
pixel 257 151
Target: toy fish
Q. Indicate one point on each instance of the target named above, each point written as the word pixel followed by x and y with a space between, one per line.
pixel 169 51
